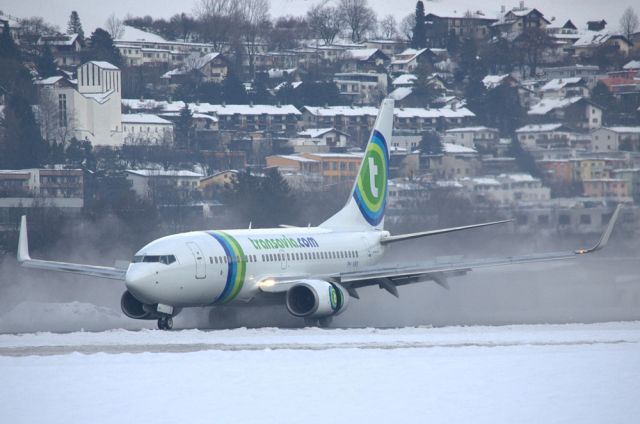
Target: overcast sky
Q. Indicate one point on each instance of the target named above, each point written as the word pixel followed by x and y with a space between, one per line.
pixel 94 13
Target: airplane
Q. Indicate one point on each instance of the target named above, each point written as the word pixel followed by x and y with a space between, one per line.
pixel 314 271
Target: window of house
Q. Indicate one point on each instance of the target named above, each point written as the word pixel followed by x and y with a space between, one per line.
pixel 585 219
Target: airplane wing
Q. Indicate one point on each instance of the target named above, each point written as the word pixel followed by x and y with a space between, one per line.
pixel 92 270
pixel 391 277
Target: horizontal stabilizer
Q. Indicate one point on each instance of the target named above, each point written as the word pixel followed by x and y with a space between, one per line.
pixel 402 237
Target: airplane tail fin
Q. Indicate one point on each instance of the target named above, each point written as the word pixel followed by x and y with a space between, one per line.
pixel 368 200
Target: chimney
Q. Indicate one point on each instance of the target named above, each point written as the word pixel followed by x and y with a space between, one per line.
pixel 224 104
pixel 251 103
pixel 503 9
pixel 521 4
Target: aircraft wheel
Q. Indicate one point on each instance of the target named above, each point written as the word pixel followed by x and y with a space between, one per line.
pixel 325 322
pixel 165 323
pixel 311 322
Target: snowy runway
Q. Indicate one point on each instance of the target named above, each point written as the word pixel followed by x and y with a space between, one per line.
pixel 543 373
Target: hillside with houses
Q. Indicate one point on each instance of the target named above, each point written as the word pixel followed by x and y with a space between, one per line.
pixel 226 116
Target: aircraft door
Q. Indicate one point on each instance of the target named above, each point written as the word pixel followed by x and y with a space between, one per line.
pixel 283 263
pixel 201 264
pixel 366 248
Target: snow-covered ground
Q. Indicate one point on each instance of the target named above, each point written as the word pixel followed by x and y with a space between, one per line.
pixel 525 374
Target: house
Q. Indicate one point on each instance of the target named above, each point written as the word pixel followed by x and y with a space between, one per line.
pixel 217 183
pixel 320 139
pixel 271 118
pixel 589 73
pixel 607 139
pixel 358 121
pixel 576 112
pixel 404 80
pixel 14 26
pixel 409 60
pixel 363 88
pixel 591 41
pixel 564 87
pixel 322 168
pixel 211 67
pixel 65 48
pixel 508 189
pixel 145 128
pixel 623 83
pixel 161 185
pixel 473 137
pixel 544 135
pixel 518 20
pixel 616 189
pixel 363 60
pixel 596 25
pixel 454 162
pixel 462 24
pixel 89 108
pixel 388 47
pixel 56 187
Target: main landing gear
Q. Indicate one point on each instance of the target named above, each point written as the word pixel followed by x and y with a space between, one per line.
pixel 165 323
pixel 324 322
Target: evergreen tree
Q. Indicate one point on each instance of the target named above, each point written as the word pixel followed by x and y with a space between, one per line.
pixel 233 90
pixel 23 146
pixel 184 128
pixel 419 38
pixel 74 26
pixel 603 97
pixel 431 144
pixel 102 48
pixel 45 64
pixel 524 160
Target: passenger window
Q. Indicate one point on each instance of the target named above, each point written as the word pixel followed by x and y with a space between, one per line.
pixel 225 259
pixel 216 259
pixel 210 259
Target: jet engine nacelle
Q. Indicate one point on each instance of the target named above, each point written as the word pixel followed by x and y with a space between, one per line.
pixel 316 299
pixel 135 309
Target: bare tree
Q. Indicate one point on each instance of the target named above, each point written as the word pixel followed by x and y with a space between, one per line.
pixel 184 25
pixel 629 22
pixel 358 16
pixel 56 124
pixel 324 22
pixel 407 25
pixel 388 27
pixel 114 26
pixel 219 20
pixel 255 14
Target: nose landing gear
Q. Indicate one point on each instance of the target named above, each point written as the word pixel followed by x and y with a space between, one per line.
pixel 165 323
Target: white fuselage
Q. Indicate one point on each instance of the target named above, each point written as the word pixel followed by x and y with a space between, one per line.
pixel 221 267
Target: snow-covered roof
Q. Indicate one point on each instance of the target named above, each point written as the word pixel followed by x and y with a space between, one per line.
pixel 315 132
pixel 400 93
pixel 360 54
pixel 626 130
pixel 163 173
pixel 104 65
pixel 406 112
pixel 49 80
pixel 492 81
pixel 634 64
pixel 407 56
pixel 297 158
pixel 594 38
pixel 456 148
pixel 338 155
pixel 470 129
pixel 405 79
pixel 559 83
pixel 233 109
pixel 193 115
pixel 143 118
pixel 58 40
pixel 539 128
pixel 130 34
pixel 547 105
pixel 519 178
pixel 485 181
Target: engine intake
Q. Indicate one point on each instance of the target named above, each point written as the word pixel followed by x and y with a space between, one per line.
pixel 135 309
pixel 316 298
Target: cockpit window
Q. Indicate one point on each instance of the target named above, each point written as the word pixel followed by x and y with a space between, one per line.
pixel 163 259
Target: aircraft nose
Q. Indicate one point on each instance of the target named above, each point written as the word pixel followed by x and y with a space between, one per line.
pixel 138 281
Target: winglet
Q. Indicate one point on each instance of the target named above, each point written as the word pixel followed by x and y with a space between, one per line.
pixel 604 239
pixel 23 241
